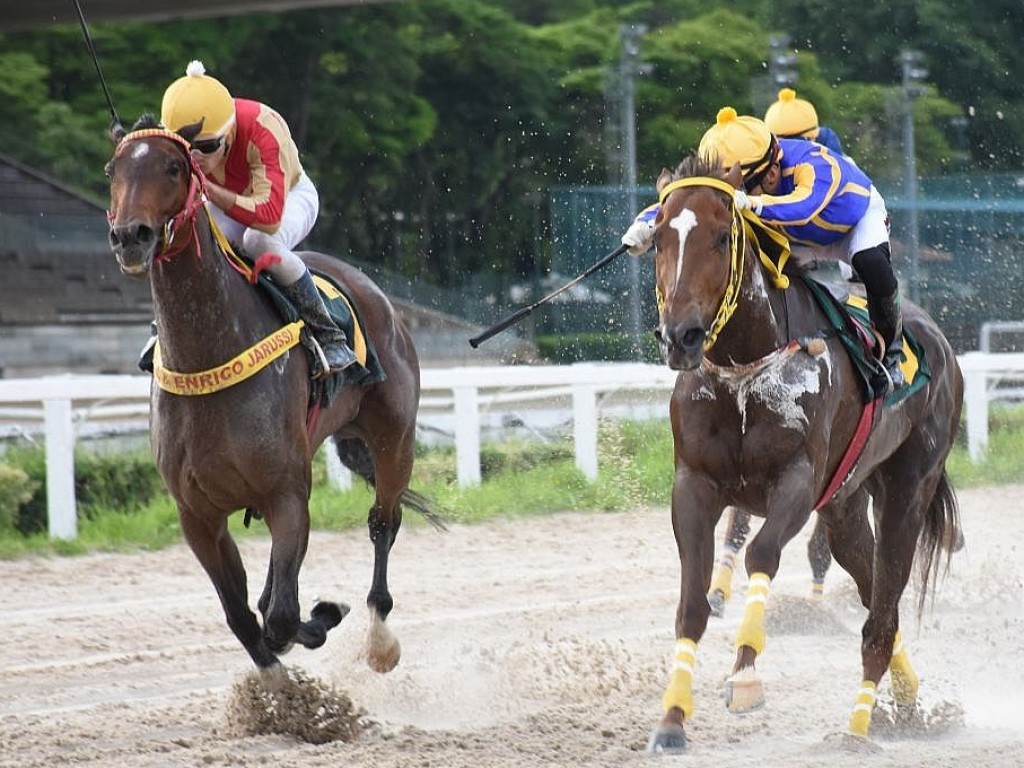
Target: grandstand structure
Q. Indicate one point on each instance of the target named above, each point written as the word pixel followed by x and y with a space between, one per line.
pixel 65 306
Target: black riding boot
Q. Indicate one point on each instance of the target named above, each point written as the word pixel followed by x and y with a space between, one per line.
pixel 329 336
pixel 888 320
pixel 875 270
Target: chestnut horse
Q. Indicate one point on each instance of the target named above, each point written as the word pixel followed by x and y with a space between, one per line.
pixel 766 404
pixel 251 445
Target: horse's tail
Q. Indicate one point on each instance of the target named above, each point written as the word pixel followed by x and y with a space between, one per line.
pixel 355 455
pixel 941 532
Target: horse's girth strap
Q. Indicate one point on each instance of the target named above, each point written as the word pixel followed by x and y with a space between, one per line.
pixel 241 367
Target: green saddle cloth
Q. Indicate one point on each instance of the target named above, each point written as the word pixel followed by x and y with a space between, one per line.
pixel 849 318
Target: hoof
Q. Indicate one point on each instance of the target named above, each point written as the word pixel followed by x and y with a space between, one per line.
pixel 667 740
pixel 329 615
pixel 273 678
pixel 717 602
pixel 382 648
pixel 325 617
pixel 744 692
pixel 385 659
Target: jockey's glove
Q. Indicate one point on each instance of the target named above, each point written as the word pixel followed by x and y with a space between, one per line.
pixel 640 236
pixel 747 202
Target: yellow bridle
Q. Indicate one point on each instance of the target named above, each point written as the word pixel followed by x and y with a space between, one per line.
pixel 740 231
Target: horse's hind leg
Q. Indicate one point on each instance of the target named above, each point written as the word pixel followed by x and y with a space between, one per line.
pixel 721 582
pixel 820 558
pixel 392 470
pixel 217 553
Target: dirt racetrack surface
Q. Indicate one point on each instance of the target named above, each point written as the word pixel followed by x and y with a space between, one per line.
pixel 526 642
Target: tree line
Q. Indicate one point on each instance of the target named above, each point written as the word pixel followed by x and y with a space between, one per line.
pixel 435 128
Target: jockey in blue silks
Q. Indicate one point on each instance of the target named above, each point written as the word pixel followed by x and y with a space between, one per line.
pixel 820 200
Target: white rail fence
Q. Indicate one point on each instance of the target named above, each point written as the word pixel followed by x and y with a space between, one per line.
pixel 464 401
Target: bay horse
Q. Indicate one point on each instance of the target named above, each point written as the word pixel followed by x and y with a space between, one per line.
pixel 764 410
pixel 251 445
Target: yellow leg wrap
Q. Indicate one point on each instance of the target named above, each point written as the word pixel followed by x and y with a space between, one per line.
pixel 722 578
pixel 680 687
pixel 860 720
pixel 751 632
pixel 817 591
pixel 904 679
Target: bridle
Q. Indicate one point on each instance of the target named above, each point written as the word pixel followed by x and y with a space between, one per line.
pixel 737 247
pixel 194 200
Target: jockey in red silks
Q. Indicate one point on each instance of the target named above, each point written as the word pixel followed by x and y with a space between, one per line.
pixel 259 195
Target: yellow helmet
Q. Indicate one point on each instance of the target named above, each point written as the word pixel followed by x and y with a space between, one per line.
pixel 742 139
pixel 195 97
pixel 791 118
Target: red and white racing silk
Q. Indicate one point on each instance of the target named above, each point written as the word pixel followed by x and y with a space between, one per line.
pixel 261 166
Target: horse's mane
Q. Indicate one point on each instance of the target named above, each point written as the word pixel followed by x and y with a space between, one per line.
pixel 148 120
pixel 699 165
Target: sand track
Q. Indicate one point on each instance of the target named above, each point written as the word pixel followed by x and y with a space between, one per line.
pixel 530 642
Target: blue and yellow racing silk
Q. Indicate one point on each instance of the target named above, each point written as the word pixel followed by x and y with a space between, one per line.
pixel 820 197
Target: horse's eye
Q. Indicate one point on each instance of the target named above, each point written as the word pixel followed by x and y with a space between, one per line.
pixel 108 170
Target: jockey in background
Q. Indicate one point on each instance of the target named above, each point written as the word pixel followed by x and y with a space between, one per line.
pixel 793 118
pixel 259 195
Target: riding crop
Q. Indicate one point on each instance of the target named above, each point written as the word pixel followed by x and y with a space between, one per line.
pixel 519 314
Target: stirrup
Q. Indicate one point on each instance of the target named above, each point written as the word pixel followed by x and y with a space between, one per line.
pixel 324 367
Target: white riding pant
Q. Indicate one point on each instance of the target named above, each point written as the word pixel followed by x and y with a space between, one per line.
pixel 872 230
pixel 301 207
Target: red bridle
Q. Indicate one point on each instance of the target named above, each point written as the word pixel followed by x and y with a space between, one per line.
pixel 195 198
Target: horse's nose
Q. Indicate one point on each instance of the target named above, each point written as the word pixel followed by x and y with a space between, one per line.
pixel 688 341
pixel 683 348
pixel 132 235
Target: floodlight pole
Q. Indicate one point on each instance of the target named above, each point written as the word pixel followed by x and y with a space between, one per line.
pixel 913 73
pixel 630 68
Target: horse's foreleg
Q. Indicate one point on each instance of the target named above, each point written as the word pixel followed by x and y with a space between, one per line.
pixel 217 553
pixel 744 689
pixel 693 523
pixel 288 521
pixel 721 582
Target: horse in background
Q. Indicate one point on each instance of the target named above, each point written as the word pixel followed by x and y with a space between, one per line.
pixel 765 409
pixel 737 528
pixel 246 436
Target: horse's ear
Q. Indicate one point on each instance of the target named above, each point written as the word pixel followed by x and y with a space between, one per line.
pixel 190 131
pixel 735 176
pixel 663 179
pixel 117 131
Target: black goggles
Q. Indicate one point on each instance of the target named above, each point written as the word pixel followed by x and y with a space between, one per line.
pixel 759 168
pixel 207 146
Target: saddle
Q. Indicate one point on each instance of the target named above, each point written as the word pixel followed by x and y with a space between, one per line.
pixel 345 313
pixel 848 316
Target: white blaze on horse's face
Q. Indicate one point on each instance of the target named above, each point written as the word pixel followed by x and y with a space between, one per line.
pixel 684 221
pixel 140 150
